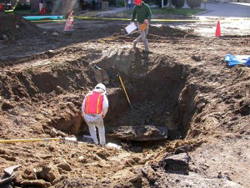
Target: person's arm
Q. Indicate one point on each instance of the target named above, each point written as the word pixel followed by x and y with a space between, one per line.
pixel 83 104
pixel 105 106
pixel 134 14
pixel 83 107
pixel 149 15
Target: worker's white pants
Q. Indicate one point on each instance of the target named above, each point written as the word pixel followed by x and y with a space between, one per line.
pixel 93 123
pixel 143 37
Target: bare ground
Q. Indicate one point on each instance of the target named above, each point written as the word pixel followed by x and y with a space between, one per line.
pixel 183 85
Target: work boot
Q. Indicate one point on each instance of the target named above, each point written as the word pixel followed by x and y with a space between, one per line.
pixel 134 43
pixel 147 52
pixel 146 49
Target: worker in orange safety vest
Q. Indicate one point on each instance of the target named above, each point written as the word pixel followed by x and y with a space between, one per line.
pixel 94 108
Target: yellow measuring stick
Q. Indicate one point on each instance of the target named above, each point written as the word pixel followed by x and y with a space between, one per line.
pixel 37 140
pixel 125 91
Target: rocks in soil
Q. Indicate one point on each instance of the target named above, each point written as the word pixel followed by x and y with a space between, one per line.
pixel 196 58
pixel 48 173
pixel 244 109
pixel 29 173
pixel 177 164
pixel 149 173
pixel 140 133
pixel 65 166
pixel 54 133
pixel 82 159
pixel 186 148
pixel 59 90
pixel 7 105
pixel 36 183
pixel 8 158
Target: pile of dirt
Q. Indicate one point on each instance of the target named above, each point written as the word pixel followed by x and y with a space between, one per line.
pixel 15 27
pixel 167 31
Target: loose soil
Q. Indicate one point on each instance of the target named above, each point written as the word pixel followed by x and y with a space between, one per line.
pixel 183 85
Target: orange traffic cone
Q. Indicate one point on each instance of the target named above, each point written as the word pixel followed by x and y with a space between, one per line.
pixel 1 7
pixel 217 33
pixel 70 22
pixel 43 11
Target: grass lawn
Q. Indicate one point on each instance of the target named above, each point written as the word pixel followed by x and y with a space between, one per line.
pixel 173 11
pixel 26 12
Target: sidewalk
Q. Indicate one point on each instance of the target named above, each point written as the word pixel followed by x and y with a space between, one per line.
pixel 213 9
pixel 112 11
pixel 227 9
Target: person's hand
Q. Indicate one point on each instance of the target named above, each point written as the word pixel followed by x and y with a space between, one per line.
pixel 103 116
pixel 146 22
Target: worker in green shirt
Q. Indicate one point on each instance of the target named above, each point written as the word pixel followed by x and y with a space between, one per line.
pixel 143 14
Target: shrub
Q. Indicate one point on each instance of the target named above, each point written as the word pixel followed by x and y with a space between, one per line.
pixel 22 6
pixel 158 2
pixel 194 3
pixel 178 3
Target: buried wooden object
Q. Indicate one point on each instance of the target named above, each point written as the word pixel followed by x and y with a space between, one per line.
pixel 140 133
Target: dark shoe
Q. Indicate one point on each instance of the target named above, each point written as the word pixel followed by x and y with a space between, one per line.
pixel 134 43
pixel 147 52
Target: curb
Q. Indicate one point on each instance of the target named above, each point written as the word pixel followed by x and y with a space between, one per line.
pixel 206 11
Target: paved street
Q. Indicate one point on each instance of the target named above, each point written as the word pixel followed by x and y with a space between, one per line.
pixel 229 9
pixel 234 19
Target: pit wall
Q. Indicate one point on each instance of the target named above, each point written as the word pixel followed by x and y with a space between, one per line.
pixel 35 81
pixel 187 106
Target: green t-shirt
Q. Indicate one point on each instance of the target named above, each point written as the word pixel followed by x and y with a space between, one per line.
pixel 141 13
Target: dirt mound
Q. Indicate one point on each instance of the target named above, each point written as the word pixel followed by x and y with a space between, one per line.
pixel 157 33
pixel 15 27
pixel 167 31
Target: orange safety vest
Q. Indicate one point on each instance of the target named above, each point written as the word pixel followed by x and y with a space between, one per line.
pixel 93 103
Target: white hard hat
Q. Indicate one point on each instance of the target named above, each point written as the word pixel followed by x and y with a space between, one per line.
pixel 101 87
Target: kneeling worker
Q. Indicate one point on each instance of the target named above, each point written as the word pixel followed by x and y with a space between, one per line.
pixel 94 108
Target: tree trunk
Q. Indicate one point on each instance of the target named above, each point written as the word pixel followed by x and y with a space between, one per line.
pixel 170 4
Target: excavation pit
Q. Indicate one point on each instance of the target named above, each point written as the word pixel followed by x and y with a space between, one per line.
pixel 155 85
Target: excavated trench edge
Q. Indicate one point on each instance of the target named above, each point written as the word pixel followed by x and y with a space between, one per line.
pixel 166 83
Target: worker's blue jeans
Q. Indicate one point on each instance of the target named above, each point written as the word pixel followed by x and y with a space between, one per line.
pixel 94 122
pixel 143 37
